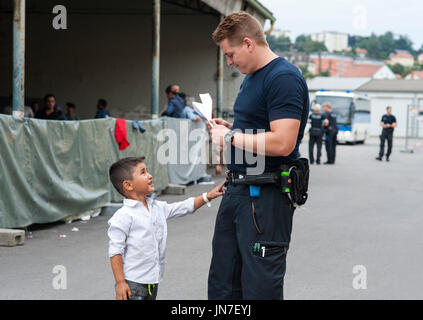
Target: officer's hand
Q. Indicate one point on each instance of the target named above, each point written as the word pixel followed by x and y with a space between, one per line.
pixel 223 123
pixel 123 292
pixel 216 192
pixel 218 134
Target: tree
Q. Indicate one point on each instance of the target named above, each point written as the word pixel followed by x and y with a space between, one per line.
pixel 404 43
pixel 380 47
pixel 301 39
pixel 386 44
pixel 304 70
pixel 279 43
pixel 304 43
pixel 371 44
pixel 397 68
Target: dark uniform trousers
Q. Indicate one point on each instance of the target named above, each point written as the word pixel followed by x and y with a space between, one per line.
pixel 236 271
pixel 315 140
pixel 386 135
pixel 330 144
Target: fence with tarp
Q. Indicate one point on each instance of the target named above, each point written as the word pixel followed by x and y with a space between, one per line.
pixel 414 127
pixel 53 169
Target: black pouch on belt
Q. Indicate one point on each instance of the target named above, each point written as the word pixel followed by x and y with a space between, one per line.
pixel 294 181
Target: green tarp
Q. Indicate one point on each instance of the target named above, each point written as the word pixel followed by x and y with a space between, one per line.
pixel 53 169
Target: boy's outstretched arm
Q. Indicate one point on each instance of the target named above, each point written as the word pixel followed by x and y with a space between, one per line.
pixel 122 289
pixel 214 193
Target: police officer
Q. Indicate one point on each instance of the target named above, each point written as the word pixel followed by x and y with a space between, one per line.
pixel 331 131
pixel 254 223
pixel 316 133
pixel 388 123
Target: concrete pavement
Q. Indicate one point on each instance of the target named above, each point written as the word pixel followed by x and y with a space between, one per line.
pixel 359 212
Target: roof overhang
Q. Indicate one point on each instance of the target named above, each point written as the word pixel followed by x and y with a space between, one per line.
pixel 226 7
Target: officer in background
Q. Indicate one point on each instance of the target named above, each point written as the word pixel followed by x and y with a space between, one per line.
pixel 316 133
pixel 388 123
pixel 331 130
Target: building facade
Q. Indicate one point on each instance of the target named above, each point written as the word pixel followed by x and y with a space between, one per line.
pixel 334 41
pixel 107 51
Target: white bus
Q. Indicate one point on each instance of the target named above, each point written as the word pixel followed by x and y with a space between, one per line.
pixel 352 112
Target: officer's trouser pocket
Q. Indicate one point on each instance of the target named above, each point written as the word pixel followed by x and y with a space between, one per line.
pixel 264 276
pixel 266 249
pixel 271 216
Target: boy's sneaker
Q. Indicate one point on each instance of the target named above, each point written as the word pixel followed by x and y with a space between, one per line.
pixel 387 159
pixel 379 158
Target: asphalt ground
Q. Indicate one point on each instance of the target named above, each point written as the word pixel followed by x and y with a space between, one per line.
pixel 361 214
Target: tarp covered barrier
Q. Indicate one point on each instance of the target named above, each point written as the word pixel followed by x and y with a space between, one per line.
pixel 53 169
pixel 190 146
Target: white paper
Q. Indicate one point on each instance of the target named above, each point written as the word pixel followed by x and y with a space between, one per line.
pixel 205 107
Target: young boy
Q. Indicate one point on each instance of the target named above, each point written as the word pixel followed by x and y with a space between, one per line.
pixel 138 230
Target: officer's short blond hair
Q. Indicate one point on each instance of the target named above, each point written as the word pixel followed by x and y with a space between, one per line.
pixel 317 108
pixel 327 104
pixel 237 26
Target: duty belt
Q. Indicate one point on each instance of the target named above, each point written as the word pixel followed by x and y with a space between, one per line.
pixel 292 180
pixel 237 178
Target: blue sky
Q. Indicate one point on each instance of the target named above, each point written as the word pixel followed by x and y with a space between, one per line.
pixel 356 17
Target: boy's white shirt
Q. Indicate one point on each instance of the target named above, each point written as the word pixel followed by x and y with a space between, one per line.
pixel 140 236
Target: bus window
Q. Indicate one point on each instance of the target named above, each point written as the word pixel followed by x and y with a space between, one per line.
pixel 362 105
pixel 361 117
pixel 341 107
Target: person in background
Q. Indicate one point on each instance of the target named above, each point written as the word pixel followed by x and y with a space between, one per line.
pixel 175 104
pixel 71 111
pixel 316 133
pixel 102 112
pixel 35 106
pixel 28 113
pixel 188 112
pixel 50 111
pixel 388 123
pixel 331 130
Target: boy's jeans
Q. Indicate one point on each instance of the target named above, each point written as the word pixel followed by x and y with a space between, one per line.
pixel 142 291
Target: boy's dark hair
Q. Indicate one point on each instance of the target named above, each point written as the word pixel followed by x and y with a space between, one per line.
pixel 123 170
pixel 71 105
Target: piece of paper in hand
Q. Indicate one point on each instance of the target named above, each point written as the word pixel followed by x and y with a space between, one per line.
pixel 205 107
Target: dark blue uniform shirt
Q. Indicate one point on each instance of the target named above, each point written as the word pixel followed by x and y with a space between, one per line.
pixel 316 123
pixel 276 91
pixel 388 120
pixel 332 128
